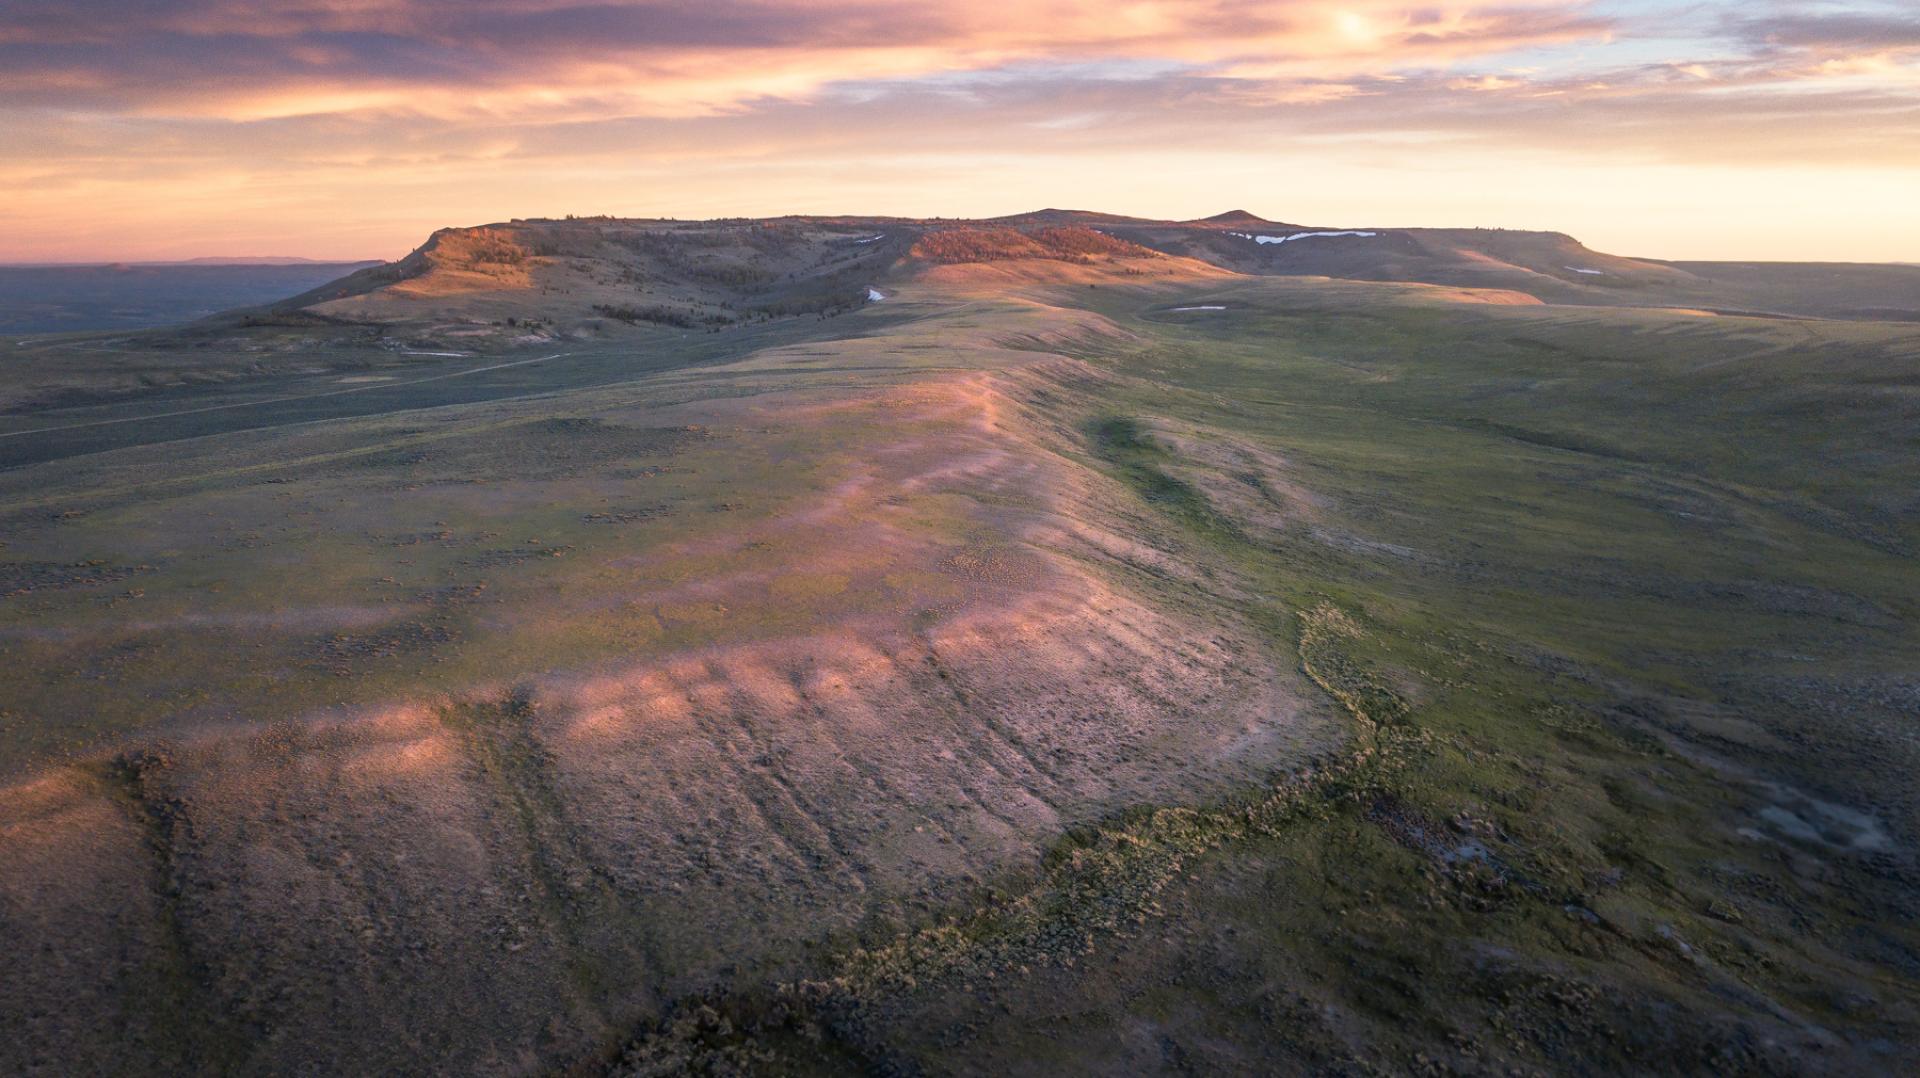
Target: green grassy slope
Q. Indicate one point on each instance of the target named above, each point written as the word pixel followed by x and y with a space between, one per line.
pixel 1623 606
pixel 687 739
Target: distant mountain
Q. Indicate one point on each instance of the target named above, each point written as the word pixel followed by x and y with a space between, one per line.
pixel 205 260
pixel 513 282
pixel 1053 218
pixel 1234 219
pixel 123 296
pixel 1550 266
pixel 249 260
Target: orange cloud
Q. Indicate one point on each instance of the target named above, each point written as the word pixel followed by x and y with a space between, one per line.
pixel 541 57
pixel 230 123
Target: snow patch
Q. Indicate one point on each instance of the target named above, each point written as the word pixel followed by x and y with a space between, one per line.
pixel 874 295
pixel 1810 819
pixel 1594 272
pixel 873 239
pixel 1202 307
pixel 1297 236
pixel 449 355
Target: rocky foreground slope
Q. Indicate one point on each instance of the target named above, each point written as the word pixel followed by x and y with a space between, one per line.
pixel 483 741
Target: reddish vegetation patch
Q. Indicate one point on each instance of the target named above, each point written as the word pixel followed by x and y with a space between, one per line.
pixel 475 248
pixel 998 244
pixel 1086 241
pixel 459 260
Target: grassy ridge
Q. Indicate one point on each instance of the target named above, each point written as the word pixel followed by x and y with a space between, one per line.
pixel 1618 607
pixel 1573 607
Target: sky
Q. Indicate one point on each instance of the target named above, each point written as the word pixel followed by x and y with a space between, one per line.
pixel 1762 129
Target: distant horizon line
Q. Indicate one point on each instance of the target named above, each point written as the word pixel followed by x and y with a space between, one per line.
pixel 198 260
pixel 236 261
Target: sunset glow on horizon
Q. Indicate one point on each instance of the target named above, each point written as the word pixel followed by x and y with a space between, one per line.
pixel 352 128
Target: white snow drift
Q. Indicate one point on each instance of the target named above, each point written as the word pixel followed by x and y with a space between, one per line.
pixel 1297 236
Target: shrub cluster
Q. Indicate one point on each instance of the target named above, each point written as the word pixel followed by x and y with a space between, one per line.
pixel 665 316
pixel 998 244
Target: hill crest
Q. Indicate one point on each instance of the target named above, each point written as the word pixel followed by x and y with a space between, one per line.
pixel 523 281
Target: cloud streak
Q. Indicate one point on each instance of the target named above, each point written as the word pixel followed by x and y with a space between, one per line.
pixel 156 119
pixel 543 57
